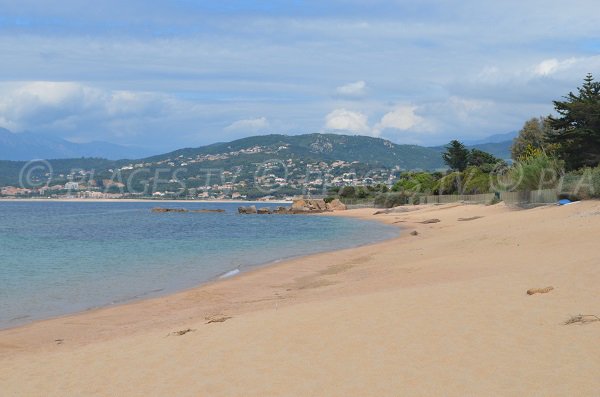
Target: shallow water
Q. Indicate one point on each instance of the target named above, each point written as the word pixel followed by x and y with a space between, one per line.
pixel 62 257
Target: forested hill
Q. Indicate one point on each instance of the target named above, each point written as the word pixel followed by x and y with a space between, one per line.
pixel 243 155
pixel 322 147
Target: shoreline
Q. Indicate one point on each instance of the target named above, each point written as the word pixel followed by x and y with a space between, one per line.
pixel 130 305
pixel 242 270
pixel 444 311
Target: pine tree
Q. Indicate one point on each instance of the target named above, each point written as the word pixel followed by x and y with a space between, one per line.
pixel 577 130
pixel 456 156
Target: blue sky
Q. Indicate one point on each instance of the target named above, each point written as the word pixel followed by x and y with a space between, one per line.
pixel 186 73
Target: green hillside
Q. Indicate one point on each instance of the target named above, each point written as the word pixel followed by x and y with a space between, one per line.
pixel 235 166
pixel 322 147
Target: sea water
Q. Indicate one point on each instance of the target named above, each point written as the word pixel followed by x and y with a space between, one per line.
pixel 58 257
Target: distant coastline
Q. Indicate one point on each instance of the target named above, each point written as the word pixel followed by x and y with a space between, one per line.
pixel 124 200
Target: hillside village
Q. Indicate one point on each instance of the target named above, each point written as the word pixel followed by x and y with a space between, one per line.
pixel 279 178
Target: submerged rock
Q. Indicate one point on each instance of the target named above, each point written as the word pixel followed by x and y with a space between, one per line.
pixel 201 211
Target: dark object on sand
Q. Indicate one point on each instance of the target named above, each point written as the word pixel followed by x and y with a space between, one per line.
pixel 434 220
pixel 545 290
pixel 182 332
pixel 582 319
pixel 414 233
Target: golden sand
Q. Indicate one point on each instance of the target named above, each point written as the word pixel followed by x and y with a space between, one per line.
pixel 443 312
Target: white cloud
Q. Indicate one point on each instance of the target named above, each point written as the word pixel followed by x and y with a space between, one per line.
pixel 402 118
pixel 551 66
pixel 356 89
pixel 86 113
pixel 347 120
pixel 249 125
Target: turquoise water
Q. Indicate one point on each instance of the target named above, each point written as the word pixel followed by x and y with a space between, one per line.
pixel 62 257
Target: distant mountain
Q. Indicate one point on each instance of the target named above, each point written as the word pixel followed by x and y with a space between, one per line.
pixel 323 147
pixel 27 146
pixel 498 149
pixel 497 138
pixel 302 155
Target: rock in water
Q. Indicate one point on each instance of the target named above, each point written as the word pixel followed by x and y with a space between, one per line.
pixel 169 210
pixel 247 210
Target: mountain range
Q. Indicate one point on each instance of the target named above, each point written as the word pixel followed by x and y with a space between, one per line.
pixel 26 146
pixel 244 156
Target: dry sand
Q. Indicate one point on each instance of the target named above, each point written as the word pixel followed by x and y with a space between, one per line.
pixel 444 312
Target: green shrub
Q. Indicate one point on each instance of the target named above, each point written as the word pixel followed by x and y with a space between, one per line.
pixel 449 184
pixel 475 181
pixel 419 182
pixel 537 172
pixel 361 192
pixel 390 200
pixel 581 184
pixel 347 191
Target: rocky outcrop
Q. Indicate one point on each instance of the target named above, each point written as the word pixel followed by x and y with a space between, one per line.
pixel 179 210
pixel 169 210
pixel 309 205
pixel 248 210
pixel 336 205
pixel 301 206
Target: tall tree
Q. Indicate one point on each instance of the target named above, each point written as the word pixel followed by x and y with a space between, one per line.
pixel 479 157
pixel 456 156
pixel 533 135
pixel 577 130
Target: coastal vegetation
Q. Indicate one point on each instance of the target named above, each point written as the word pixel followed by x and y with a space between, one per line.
pixel 561 152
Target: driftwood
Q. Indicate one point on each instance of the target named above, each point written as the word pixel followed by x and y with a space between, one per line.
pixel 545 290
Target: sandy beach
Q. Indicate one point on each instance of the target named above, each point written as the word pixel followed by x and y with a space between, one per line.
pixel 443 311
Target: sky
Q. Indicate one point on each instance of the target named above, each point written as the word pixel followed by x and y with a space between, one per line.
pixel 182 73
